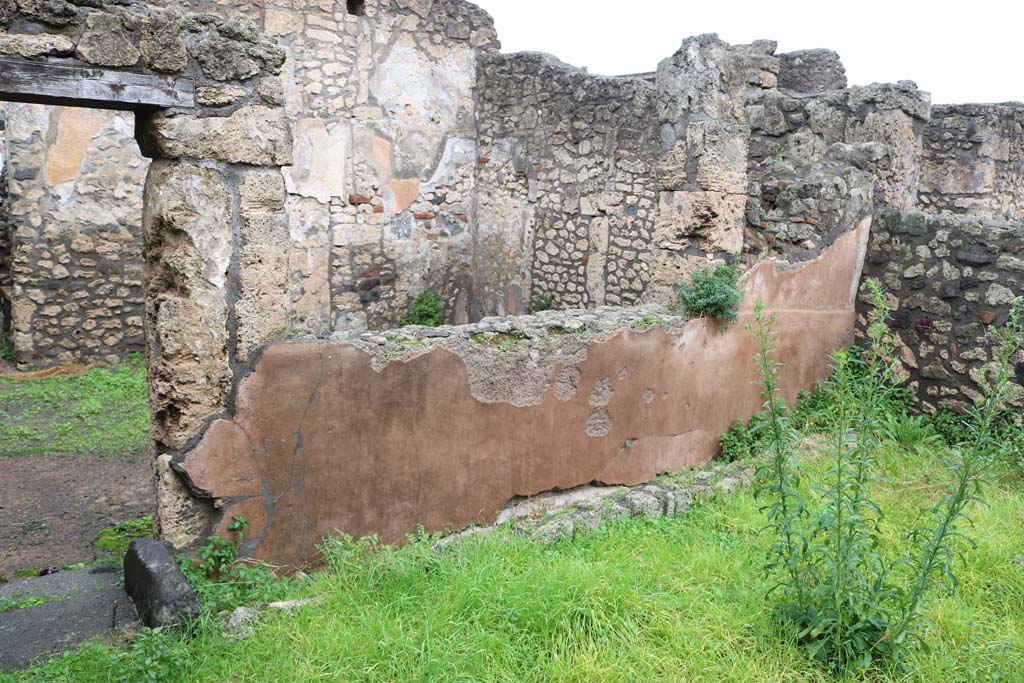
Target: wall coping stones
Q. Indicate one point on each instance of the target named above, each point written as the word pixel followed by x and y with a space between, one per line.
pixel 555 515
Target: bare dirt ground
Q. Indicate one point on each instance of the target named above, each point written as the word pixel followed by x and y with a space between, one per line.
pixel 53 506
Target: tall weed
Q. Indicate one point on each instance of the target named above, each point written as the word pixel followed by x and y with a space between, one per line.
pixel 847 602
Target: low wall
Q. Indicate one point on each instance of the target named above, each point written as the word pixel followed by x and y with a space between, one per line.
pixel 442 427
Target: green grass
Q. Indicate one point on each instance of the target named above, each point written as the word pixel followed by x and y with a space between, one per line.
pixel 104 411
pixel 116 539
pixel 8 605
pixel 641 600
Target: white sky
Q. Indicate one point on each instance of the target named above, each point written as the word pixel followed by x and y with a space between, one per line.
pixel 966 51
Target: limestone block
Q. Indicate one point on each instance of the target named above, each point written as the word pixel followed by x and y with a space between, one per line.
pixel 252 135
pixel 720 150
pixel 180 518
pixel 261 311
pixel 281 22
pixel 187 227
pixel 29 46
pixel 162 47
pixel 712 221
pixel 213 96
pixel 105 42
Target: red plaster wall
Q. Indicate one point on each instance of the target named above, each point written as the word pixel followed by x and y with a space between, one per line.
pixel 322 443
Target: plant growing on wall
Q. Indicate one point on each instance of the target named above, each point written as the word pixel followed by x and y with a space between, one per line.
pixel 426 311
pixel 544 302
pixel 846 601
pixel 712 293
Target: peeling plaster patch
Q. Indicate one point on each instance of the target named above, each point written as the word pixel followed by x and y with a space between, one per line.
pixel 458 153
pixel 533 369
pixel 602 393
pixel 429 98
pixel 567 383
pixel 648 395
pixel 403 193
pixel 320 158
pixel 75 130
pixel 599 423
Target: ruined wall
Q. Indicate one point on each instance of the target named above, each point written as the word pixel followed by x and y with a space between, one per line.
pixel 565 198
pixel 596 190
pixel 379 194
pixel 76 210
pixel 816 159
pixel 213 165
pixel 973 161
pixel 5 238
pixel 953 265
pixel 657 165
pixel 5 206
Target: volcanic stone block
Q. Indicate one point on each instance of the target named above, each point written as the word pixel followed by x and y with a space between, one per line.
pixel 105 43
pixel 153 580
pixel 812 71
pixel 162 47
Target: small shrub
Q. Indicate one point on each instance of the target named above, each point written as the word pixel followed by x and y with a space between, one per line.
pixel 222 582
pixel 544 302
pixel 649 321
pixel 712 293
pixel 910 432
pixel 426 311
pixel 743 441
pixel 6 350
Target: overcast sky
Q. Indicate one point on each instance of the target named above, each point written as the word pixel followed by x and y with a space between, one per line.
pixel 959 51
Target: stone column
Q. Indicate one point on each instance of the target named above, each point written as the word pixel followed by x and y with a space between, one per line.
pixel 214 211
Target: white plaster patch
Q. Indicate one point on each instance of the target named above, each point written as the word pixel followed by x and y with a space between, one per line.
pixel 320 158
pixel 458 153
pixel 426 100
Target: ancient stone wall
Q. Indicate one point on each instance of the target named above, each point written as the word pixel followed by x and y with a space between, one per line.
pixel 559 374
pixel 565 198
pixel 810 154
pixel 953 265
pixel 379 194
pixel 5 204
pixel 973 161
pixel 76 180
pixel 5 239
pixel 344 157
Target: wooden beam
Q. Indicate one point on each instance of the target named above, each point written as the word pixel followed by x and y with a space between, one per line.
pixel 86 86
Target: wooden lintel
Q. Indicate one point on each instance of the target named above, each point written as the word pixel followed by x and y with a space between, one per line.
pixel 86 86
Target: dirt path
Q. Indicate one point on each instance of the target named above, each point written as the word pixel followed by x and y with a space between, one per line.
pixel 53 506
